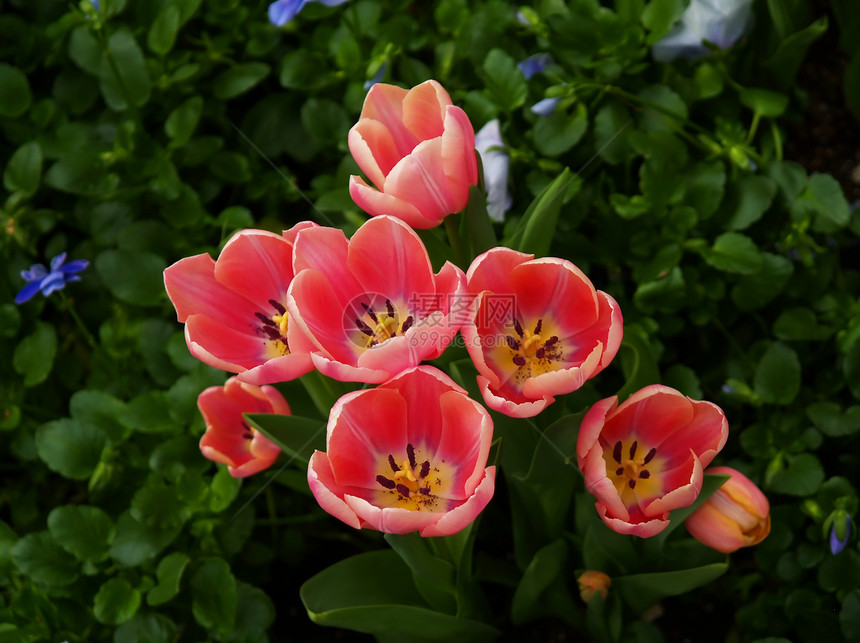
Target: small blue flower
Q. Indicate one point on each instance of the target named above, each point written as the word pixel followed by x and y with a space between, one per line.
pixel 282 11
pixel 546 106
pixel 40 279
pixel 721 22
pixel 95 4
pixel 488 142
pixel 380 74
pixel 838 544
pixel 534 64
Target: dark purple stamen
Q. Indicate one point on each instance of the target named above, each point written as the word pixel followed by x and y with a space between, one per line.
pixel 403 490
pixel 517 327
pixel 644 474
pixel 364 328
pixel 540 353
pixel 385 482
pixel 513 344
pixel 410 453
pixel 619 471
pixel 248 436
pixel 392 463
pixel 650 456
pixel 389 307
pixel 631 484
pixel 425 469
pixel 370 312
pixel 425 491
pixel 407 324
pixel 538 326
pixel 519 360
pixel 551 341
pixel 265 319
pixel 273 333
pixel 278 306
pixel 616 452
pixel 633 449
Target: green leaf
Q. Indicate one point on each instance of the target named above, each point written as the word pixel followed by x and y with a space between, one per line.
pixel 791 52
pixel 101 410
pixel 239 79
pixel 255 613
pixel 506 83
pixel 70 448
pixel 747 200
pixel 303 70
pixel 734 252
pixel 476 226
pixel 15 94
pixel 297 436
pixel 754 291
pixel 116 602
pixel 136 542
pixel 557 133
pixel 659 16
pixel 546 566
pixel 704 186
pixel 644 590
pixel 149 627
pixel 655 117
pixel 24 169
pixel 34 355
pixel 610 140
pixel 82 173
pixel 358 594
pixel 708 81
pixel 169 574
pixel 156 504
pixel 325 120
pixel 537 227
pixel 39 557
pixel 802 475
pixel 213 595
pixel 223 490
pixel 799 324
pixel 162 33
pixel 433 577
pixel 149 413
pixel 638 361
pixel 85 50
pixel 83 531
pixel 764 102
pixel 829 418
pixel 122 73
pixel 849 616
pixel 182 121
pixel 823 197
pixel 133 276
pixel 777 376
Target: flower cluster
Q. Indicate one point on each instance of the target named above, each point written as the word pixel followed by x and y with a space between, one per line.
pixel 411 454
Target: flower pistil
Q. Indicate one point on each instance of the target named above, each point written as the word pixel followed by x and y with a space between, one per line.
pixel 410 483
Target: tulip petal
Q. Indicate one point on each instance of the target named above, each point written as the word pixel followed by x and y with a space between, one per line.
pixel 191 286
pixel 376 203
pixel 384 103
pixel 424 108
pixel 258 264
pixel 420 179
pixel 458 152
pixel 322 483
pixel 373 149
pixel 464 515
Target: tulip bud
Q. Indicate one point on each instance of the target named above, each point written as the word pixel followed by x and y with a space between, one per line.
pixel 736 515
pixel 593 582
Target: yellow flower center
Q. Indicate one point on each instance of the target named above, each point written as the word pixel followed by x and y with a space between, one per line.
pixel 274 328
pixel 411 484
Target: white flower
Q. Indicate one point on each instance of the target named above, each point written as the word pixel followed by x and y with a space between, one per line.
pixel 488 141
pixel 721 22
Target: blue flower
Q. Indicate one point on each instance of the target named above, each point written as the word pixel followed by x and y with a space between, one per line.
pixel 721 22
pixel 495 161
pixel 837 544
pixel 534 64
pixel 40 279
pixel 546 106
pixel 282 11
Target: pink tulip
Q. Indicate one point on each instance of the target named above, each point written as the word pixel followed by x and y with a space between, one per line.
pixel 418 149
pixel 228 438
pixel 736 515
pixel 409 455
pixel 371 306
pixel 234 309
pixel 646 457
pixel 538 329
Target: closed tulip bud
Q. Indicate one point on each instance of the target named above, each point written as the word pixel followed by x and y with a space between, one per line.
pixel 736 515
pixel 593 582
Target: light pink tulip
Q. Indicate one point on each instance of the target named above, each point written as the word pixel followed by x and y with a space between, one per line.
pixel 418 149
pixel 646 457
pixel 409 455
pixel 538 329
pixel 228 438
pixel 234 309
pixel 371 306
pixel 736 515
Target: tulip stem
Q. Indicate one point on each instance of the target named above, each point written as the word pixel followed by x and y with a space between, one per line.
pixel 455 241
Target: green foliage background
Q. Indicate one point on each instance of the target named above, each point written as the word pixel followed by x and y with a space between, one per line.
pixel 142 132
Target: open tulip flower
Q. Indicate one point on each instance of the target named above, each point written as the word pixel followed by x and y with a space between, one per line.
pixel 418 149
pixel 409 455
pixel 736 515
pixel 234 309
pixel 538 329
pixel 228 438
pixel 372 306
pixel 646 457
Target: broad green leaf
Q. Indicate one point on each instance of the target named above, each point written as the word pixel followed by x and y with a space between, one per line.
pixel 476 226
pixel 610 125
pixel 325 120
pixel 734 252
pixel 506 83
pixel 116 602
pixel 15 94
pixel 83 531
pixel 156 504
pixel 800 324
pixel 747 200
pixel 162 33
pixel 213 595
pixel 667 293
pixel 777 376
pixel 239 79
pixel 708 81
pixel 557 133
pixel 684 379
pixel 39 557
pixel 824 197
pixel 297 436
pixel 169 574
pixel 182 121
pixel 802 475
pixel 659 16
pixel 223 490
pixel 150 627
pixel 537 227
pixel 136 542
pixel 764 102
pixel 133 276
pixel 666 111
pixel 433 577
pixel 124 80
pixel 255 613
pixel 829 418
pixel 83 173
pixel 704 186
pixel 24 169
pixel 754 291
pixel 546 566
pixel 70 448
pixel 357 593
pixel 101 410
pixel 644 590
pixel 84 50
pixel 303 70
pixel 791 52
pixel 638 361
pixel 849 616
pixel 34 355
pixel 149 413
